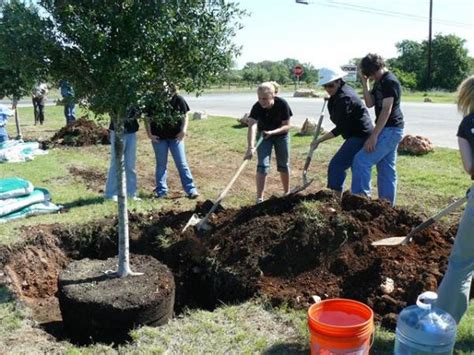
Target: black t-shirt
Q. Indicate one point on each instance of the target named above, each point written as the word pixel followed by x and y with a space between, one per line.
pixel 389 86
pixel 349 114
pixel 466 131
pixel 271 118
pixel 169 126
pixel 130 125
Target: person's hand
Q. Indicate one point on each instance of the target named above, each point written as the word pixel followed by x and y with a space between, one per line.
pixel 154 139
pixel 180 136
pixel 249 154
pixel 267 134
pixel 362 77
pixel 370 143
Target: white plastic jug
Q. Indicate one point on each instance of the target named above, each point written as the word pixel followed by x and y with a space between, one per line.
pixel 425 329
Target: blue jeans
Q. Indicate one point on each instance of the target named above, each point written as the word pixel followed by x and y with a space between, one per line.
pixel 342 161
pixel 129 152
pixel 454 290
pixel 282 152
pixel 176 147
pixel 3 134
pixel 69 111
pixel 385 157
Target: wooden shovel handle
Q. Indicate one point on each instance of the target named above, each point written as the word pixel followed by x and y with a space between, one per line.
pixel 450 208
pixel 315 137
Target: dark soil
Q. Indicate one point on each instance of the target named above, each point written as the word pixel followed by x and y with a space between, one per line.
pixel 95 305
pixel 284 249
pixel 82 132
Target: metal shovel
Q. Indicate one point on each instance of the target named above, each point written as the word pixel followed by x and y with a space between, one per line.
pixel 305 181
pixel 393 241
pixel 202 223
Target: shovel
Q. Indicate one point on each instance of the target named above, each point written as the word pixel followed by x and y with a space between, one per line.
pixel 306 182
pixel 393 241
pixel 202 223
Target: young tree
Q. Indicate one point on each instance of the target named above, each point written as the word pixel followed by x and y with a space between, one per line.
pixel 118 55
pixel 23 48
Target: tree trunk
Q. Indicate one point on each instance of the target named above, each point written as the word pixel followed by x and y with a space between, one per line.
pixel 17 120
pixel 124 252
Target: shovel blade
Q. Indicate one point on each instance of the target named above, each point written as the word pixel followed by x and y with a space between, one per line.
pixel 393 241
pixel 194 220
pixel 300 188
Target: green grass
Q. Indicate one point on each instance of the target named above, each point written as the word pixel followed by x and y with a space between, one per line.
pixel 215 149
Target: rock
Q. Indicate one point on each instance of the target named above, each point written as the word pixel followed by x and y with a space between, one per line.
pixel 415 145
pixel 199 115
pixel 305 93
pixel 244 121
pixel 308 128
pixel 387 286
pixel 315 299
pixel 427 99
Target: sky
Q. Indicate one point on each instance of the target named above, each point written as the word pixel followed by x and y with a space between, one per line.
pixel 331 32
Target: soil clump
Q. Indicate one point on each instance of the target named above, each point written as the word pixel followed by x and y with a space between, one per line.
pixel 81 132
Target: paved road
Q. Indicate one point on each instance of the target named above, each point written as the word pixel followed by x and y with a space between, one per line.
pixel 438 122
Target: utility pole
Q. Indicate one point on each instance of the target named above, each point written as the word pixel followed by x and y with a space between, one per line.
pixel 429 46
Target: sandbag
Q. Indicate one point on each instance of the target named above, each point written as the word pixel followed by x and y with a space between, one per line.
pixel 14 204
pixel 14 187
pixel 35 209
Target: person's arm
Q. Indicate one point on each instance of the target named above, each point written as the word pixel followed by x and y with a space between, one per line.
pixel 184 128
pixel 148 131
pixel 327 136
pixel 387 105
pixel 466 156
pixel 368 97
pixel 251 135
pixel 284 128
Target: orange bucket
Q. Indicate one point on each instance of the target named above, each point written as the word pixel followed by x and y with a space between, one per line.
pixel 340 326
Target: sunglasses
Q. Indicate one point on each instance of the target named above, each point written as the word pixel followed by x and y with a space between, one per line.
pixel 329 85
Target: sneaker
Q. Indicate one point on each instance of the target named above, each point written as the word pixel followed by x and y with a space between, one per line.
pixel 259 200
pixel 193 195
pixel 112 198
pixel 135 198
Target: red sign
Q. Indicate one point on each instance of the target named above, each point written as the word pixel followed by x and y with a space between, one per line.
pixel 298 70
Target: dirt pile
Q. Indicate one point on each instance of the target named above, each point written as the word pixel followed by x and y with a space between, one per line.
pixel 286 250
pixel 82 132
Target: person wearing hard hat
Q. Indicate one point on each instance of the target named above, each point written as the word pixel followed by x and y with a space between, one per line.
pixel 352 120
pixel 380 149
pixel 269 118
pixel 5 112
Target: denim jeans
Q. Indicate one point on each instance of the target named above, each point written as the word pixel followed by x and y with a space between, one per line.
pixel 342 161
pixel 282 152
pixel 69 111
pixel 385 157
pixel 129 152
pixel 3 134
pixel 454 290
pixel 176 147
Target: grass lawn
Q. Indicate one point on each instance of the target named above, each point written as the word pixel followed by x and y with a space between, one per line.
pixel 76 178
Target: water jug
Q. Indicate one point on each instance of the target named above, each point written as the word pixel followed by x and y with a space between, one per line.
pixel 425 329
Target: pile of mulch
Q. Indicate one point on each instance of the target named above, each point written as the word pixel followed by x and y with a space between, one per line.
pixel 81 132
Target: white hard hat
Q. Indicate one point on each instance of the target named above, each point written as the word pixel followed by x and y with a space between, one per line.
pixel 328 74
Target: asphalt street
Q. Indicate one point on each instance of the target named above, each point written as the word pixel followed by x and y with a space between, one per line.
pixel 437 122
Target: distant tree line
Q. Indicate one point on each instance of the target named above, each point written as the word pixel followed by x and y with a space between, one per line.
pixel 279 71
pixel 450 65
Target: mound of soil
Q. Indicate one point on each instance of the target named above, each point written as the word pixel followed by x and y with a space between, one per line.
pixel 286 250
pixel 82 132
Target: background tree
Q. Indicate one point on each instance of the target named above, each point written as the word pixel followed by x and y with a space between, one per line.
pixel 450 62
pixel 23 52
pixel 118 55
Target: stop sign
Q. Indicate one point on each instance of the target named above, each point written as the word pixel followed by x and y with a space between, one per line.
pixel 298 70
